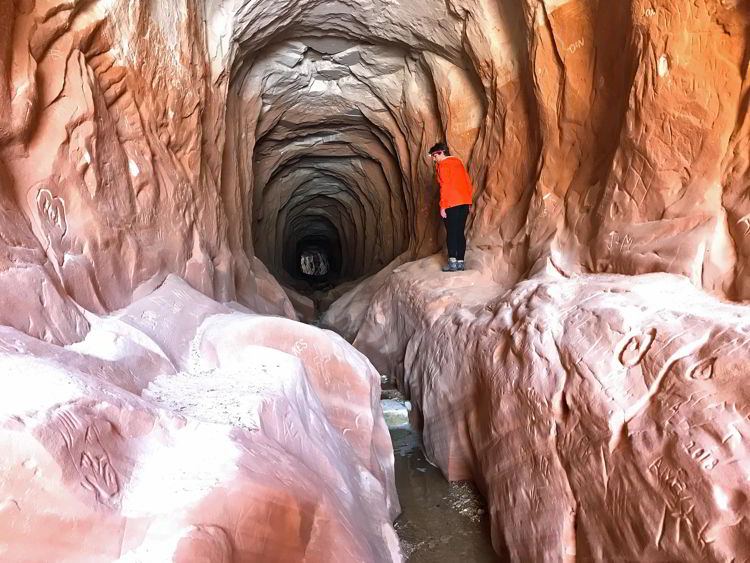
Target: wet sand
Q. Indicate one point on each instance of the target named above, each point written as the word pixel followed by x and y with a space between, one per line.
pixel 441 521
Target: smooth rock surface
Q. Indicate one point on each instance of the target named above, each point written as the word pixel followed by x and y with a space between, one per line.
pixel 180 430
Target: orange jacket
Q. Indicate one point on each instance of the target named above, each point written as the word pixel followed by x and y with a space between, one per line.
pixel 455 184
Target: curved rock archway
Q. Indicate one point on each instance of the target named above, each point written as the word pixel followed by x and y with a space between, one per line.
pixel 325 136
pixel 177 176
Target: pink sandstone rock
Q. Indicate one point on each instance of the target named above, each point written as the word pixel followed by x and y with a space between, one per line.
pixel 170 434
pixel 303 305
pixel 603 416
pixel 212 140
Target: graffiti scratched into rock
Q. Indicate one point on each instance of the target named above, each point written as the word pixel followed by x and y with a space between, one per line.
pixel 51 211
pixel 701 455
pixel 619 245
pixel 573 47
pixel 633 347
pixel 83 442
pixel 299 347
pixel 95 466
pixel 745 221
pixel 703 370
pixel 674 479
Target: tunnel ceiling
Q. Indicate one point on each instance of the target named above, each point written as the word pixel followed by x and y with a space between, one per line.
pixel 332 107
pixel 151 150
pixel 142 138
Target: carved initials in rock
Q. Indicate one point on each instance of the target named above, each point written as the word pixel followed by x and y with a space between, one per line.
pixel 91 458
pixel 703 370
pixel 299 347
pixel 97 473
pixel 51 213
pixel 573 47
pixel 617 244
pixel 704 457
pixel 632 349
pixel 318 361
pixel 96 470
pixel 746 222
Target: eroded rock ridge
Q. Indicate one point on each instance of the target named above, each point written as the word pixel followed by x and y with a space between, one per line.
pixel 168 170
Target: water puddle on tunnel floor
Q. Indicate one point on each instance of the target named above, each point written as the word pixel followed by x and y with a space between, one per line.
pixel 441 522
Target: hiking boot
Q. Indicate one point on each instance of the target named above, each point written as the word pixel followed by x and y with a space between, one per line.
pixel 452 266
pixel 460 266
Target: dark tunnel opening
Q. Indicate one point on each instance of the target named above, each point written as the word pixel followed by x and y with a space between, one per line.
pixel 329 162
pixel 313 252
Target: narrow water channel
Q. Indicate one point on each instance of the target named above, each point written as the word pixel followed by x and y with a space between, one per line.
pixel 441 521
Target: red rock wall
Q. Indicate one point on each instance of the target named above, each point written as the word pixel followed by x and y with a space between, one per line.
pixel 607 137
pixel 111 140
pixel 208 139
pixel 182 430
pixel 603 416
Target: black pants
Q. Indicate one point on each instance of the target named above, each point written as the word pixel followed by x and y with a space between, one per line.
pixel 455 224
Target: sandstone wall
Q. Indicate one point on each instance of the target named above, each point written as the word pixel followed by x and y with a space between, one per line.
pixel 603 416
pixel 111 142
pixel 142 139
pixel 183 430
pixel 216 139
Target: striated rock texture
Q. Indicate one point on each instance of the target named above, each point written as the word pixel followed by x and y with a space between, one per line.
pixel 111 121
pixel 220 142
pixel 181 430
pixel 140 139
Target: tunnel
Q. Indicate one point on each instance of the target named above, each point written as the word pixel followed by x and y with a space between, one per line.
pixel 323 172
pixel 230 330
pixel 332 131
